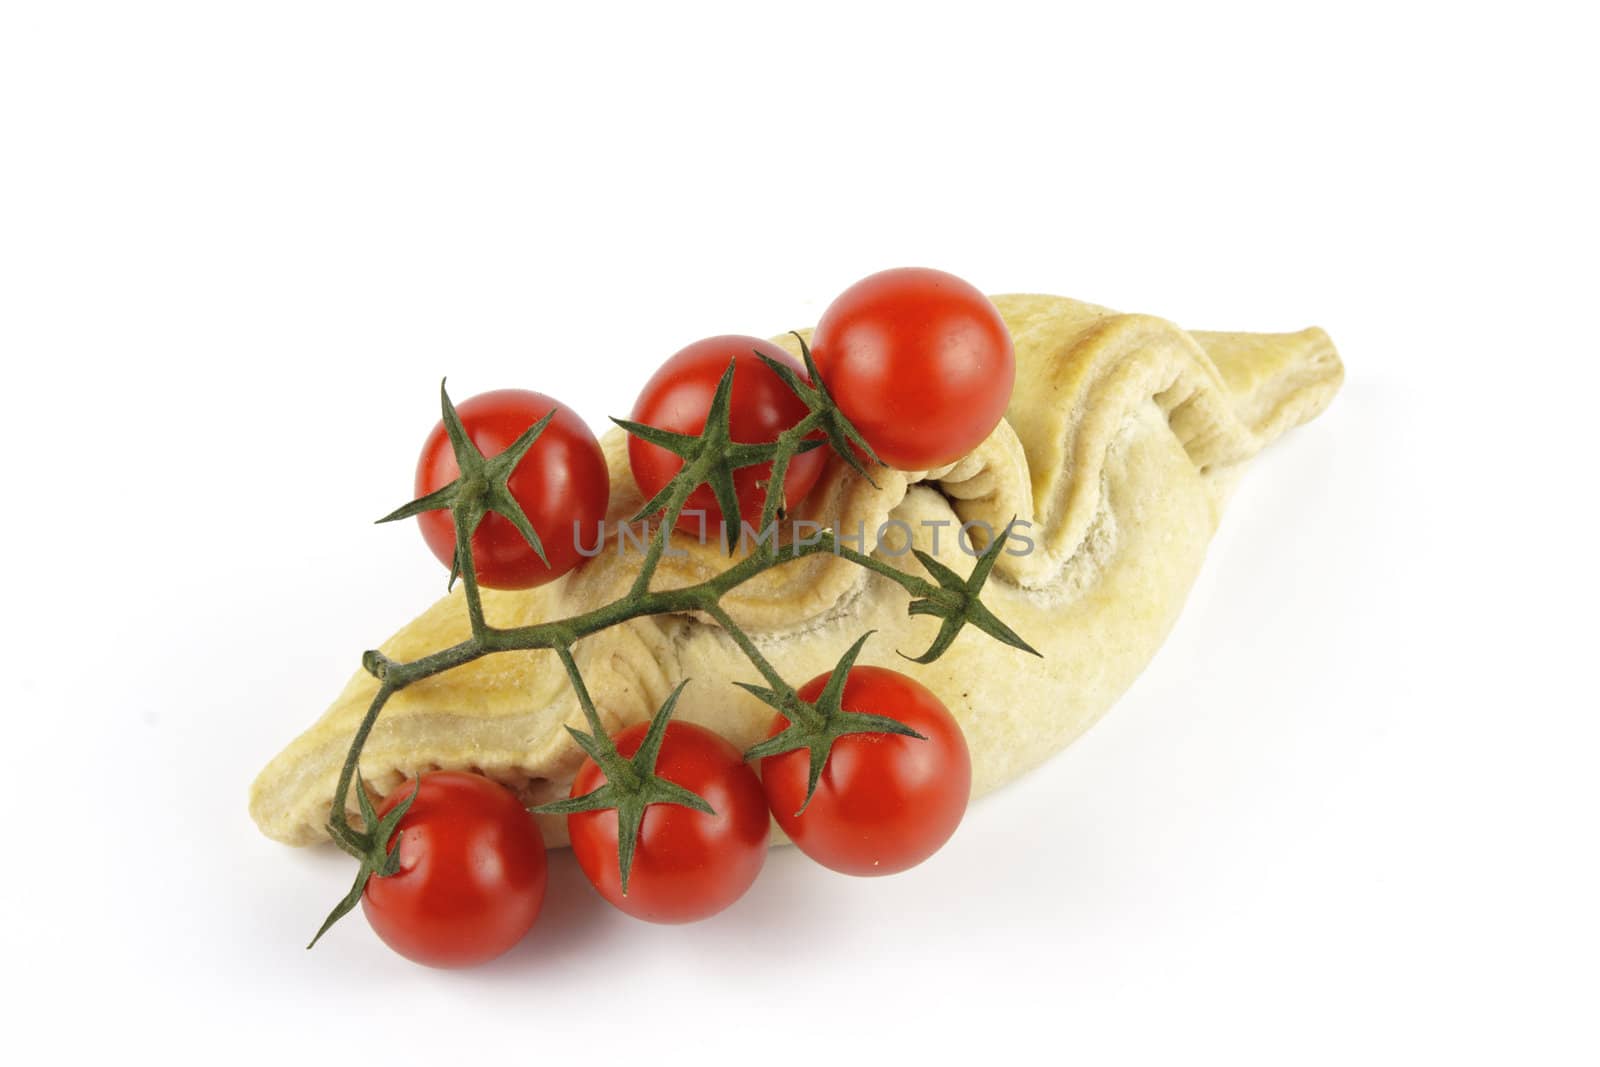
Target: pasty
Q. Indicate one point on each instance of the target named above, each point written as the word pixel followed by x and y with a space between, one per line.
pixel 1116 455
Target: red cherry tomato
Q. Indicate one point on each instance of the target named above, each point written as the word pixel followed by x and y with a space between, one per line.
pixel 919 361
pixel 761 407
pixel 472 873
pixel 688 865
pixel 562 485
pixel 885 802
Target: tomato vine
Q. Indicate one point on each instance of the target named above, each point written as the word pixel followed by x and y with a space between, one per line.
pixel 709 458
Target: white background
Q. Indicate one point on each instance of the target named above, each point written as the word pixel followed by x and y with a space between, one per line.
pixel 1348 814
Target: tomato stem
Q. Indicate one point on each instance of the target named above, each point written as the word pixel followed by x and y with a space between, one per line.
pixel 369 845
pixel 816 725
pixel 748 647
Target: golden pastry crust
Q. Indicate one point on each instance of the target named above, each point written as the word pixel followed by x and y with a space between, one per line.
pixel 1121 440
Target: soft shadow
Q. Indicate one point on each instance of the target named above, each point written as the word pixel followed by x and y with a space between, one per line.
pixel 567 923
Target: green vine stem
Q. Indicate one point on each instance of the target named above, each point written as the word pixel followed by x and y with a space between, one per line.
pixel 709 458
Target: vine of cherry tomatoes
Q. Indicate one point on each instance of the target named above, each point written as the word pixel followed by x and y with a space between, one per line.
pixel 922 365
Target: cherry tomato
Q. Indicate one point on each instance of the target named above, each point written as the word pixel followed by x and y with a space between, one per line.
pixel 472 873
pixel 688 865
pixel 562 485
pixel 761 407
pixel 919 361
pixel 884 802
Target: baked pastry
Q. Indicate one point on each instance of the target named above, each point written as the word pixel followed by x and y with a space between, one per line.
pixel 1122 439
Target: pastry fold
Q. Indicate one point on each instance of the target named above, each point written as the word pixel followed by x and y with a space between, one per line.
pixel 1116 454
